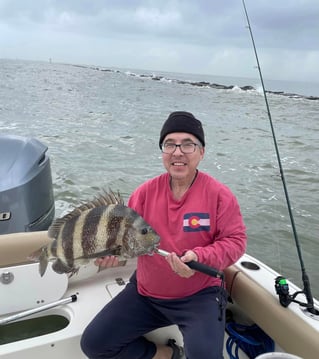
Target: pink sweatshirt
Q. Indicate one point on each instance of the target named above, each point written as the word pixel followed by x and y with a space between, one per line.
pixel 206 219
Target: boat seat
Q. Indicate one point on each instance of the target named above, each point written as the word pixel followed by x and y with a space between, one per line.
pixel 20 279
pixel 16 247
pixel 263 308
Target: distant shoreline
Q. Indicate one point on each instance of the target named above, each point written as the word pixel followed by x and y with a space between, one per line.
pixel 200 83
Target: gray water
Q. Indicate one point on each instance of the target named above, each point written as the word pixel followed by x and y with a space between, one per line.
pixel 102 130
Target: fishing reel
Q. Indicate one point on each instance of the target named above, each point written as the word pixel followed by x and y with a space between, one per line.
pixel 282 289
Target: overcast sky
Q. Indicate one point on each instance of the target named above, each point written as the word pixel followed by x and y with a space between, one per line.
pixel 192 36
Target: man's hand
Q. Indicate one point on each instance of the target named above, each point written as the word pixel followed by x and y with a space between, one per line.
pixel 178 263
pixel 107 262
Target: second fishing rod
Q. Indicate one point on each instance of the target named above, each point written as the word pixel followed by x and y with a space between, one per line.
pixel 305 278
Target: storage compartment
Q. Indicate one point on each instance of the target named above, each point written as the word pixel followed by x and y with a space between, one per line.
pixel 30 328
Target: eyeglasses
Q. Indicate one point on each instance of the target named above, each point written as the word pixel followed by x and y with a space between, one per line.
pixel 188 147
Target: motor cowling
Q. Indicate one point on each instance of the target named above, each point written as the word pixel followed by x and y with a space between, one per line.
pixel 26 190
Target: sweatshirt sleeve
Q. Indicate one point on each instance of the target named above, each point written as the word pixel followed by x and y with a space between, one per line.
pixel 230 239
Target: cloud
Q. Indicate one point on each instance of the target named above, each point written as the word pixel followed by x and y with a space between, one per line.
pixel 203 36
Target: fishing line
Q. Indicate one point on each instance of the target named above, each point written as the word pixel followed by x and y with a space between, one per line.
pixel 305 278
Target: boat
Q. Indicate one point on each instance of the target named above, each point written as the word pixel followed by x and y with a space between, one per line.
pixel 64 306
pixel 46 316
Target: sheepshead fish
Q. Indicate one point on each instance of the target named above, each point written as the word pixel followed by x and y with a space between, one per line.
pixel 104 226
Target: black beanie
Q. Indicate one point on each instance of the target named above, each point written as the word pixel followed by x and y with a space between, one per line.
pixel 181 121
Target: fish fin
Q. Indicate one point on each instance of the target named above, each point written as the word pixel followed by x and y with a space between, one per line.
pixel 112 197
pixel 41 256
pixel 104 199
pixel 43 262
pixel 55 227
pixel 73 271
pixel 43 267
pixel 61 267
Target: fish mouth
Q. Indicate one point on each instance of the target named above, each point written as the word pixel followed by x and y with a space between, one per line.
pixel 153 249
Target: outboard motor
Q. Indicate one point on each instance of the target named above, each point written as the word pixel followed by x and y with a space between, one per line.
pixel 26 191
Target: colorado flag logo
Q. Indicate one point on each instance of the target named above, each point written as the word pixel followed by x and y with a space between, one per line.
pixel 195 222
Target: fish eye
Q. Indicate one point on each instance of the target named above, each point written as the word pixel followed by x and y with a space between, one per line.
pixel 144 231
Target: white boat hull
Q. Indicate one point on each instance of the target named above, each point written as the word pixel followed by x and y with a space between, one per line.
pixel 252 291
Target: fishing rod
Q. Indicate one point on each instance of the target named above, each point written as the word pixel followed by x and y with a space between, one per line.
pixel 305 278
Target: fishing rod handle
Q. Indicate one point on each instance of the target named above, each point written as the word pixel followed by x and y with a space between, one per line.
pixel 203 268
pixel 200 267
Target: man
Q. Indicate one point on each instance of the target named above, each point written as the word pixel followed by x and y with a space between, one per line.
pixel 197 218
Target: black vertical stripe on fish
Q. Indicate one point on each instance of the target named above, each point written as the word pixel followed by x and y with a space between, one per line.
pixel 67 240
pixel 113 226
pixel 90 228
